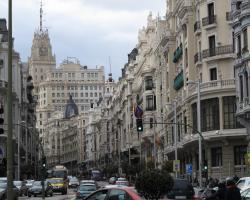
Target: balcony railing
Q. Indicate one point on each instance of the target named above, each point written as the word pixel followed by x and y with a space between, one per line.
pixel 197 57
pixel 229 16
pixel 209 20
pixel 3 84
pixel 212 85
pixel 221 50
pixel 197 26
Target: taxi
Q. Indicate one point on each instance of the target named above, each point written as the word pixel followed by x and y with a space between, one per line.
pixel 58 185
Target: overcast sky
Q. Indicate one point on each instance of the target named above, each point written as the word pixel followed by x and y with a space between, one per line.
pixel 91 30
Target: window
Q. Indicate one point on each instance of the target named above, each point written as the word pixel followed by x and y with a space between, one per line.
pixel 245 45
pixel 148 83
pixel 95 94
pixel 81 94
pixel 91 87
pixel 210 8
pixel 210 114
pixel 239 154
pixel 116 194
pixel 247 83
pixel 194 115
pixel 86 87
pixel 229 109
pixel 86 94
pixel 241 89
pixel 53 94
pixel 150 102
pixel 151 122
pixel 239 45
pixel 216 154
pixel 213 74
pixel 211 45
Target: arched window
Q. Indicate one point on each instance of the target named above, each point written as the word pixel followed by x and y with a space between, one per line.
pixel 247 84
pixel 241 88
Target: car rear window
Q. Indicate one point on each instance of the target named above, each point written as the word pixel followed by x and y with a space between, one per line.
pixel 183 184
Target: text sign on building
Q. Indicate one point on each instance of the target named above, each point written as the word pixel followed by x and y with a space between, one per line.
pixel 189 168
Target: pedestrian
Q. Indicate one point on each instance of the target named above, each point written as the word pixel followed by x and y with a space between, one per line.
pixel 236 178
pixel 232 192
pixel 220 194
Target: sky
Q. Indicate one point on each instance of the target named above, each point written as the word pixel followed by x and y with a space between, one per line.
pixel 90 30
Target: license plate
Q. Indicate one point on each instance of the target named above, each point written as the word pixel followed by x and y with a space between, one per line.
pixel 180 197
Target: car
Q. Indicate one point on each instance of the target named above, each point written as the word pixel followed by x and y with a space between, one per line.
pixel 207 192
pixel 21 185
pixel 181 189
pixel 112 180
pixel 197 193
pixel 73 182
pixel 114 193
pixel 89 182
pixel 122 181
pixel 29 183
pixel 36 189
pixel 84 190
pixel 3 190
pixel 245 194
pixel 243 183
pixel 58 185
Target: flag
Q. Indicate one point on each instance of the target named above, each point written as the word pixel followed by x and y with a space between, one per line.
pixel 138 112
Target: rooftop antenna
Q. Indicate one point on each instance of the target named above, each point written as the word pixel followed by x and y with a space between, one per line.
pixel 109 65
pixel 41 16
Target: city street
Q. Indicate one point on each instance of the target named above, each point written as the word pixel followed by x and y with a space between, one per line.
pixel 56 196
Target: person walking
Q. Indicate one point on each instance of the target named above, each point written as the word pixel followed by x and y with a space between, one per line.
pixel 232 192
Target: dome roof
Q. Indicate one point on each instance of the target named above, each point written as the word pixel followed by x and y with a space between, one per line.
pixel 71 109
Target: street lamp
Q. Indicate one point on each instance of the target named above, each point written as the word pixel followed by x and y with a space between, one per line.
pixel 175 131
pixel 198 126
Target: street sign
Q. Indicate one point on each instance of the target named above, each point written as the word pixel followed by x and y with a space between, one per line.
pixel 176 166
pixel 189 169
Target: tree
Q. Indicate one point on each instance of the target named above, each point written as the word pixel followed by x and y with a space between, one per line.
pixel 168 166
pixel 154 184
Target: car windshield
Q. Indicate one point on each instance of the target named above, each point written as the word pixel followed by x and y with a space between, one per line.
pixel 241 183
pixel 37 183
pixel 30 182
pixel 87 188
pixel 52 181
pixel 59 174
pixel 17 183
pixel 3 185
pixel 73 179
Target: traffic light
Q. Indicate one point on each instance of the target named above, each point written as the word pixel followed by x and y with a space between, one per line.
pixel 1 119
pixel 139 125
pixel 44 163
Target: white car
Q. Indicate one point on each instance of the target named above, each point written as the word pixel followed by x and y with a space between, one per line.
pixel 243 183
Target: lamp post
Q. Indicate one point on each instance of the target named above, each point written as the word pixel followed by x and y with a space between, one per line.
pixel 198 126
pixel 175 133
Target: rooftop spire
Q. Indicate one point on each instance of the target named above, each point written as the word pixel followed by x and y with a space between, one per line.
pixel 41 16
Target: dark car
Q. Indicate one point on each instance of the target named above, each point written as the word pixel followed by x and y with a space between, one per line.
pixel 23 189
pixel 3 190
pixel 36 189
pixel 182 189
pixel 115 193
pixel 84 190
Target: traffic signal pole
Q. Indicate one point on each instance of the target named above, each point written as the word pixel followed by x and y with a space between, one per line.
pixel 9 110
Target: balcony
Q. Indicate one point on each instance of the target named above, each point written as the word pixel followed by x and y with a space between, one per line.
pixel 179 81
pixel 217 51
pixel 210 20
pixel 197 58
pixel 212 86
pixel 177 54
pixel 197 27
